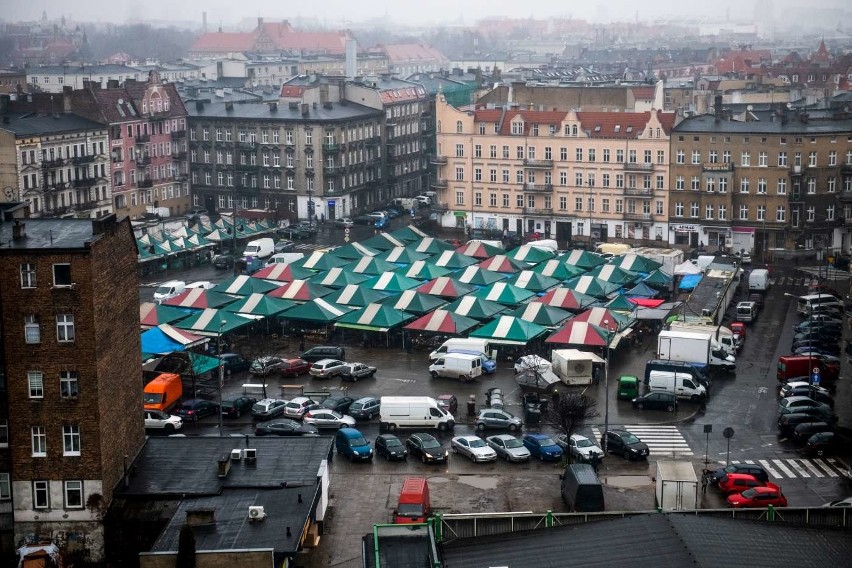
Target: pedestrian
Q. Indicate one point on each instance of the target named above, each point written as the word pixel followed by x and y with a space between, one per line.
pixel 301 342
pixel 323 218
pixel 704 483
pixel 596 374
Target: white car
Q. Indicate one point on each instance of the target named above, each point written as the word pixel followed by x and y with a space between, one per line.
pixel 579 446
pixel 840 503
pixel 202 284
pixel 509 447
pixel 789 388
pixel 324 418
pixel 156 420
pixel 327 368
pixel 298 406
pixel 473 447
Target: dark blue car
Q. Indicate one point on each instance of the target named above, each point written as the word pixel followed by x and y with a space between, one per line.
pixel 543 447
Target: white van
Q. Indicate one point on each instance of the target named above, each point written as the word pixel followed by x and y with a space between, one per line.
pixel 721 335
pixel 405 202
pixel 746 312
pixel 413 412
pixel 169 289
pixel 462 365
pixel 260 248
pixel 285 257
pixel 682 384
pixel 468 344
pixel 758 280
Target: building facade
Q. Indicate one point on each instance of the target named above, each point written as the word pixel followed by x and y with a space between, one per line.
pixel 71 360
pixel 54 78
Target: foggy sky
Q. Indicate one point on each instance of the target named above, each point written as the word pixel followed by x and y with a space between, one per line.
pixel 337 13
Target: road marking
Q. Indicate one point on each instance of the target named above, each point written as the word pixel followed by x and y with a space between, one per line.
pixel 813 469
pixel 769 469
pixel 826 467
pixel 784 468
pixel 799 469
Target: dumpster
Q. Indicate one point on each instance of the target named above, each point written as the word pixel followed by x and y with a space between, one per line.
pixel 471 405
pixel 532 415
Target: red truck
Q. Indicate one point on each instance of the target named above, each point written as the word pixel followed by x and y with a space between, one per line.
pixel 798 366
pixel 414 506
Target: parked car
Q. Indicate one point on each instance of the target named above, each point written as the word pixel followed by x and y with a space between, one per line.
pixel 285 427
pixel 266 366
pixel 824 443
pixel 509 447
pixel 757 497
pixel 822 413
pixel 847 502
pixel 344 222
pixel 284 246
pixel 448 402
pixel 497 419
pixel 627 444
pixel 196 408
pixel 817 326
pixel 294 232
pixel 362 220
pixel 473 447
pixel 324 418
pixel 327 368
pixel 201 285
pixel 158 420
pixel 796 403
pixel 365 408
pixel 715 476
pixel 320 352
pixel 543 447
pixel 223 261
pixel 234 363
pixel 787 422
pixel 580 447
pixel 803 432
pixel 427 448
pixel 356 371
pixel 824 349
pixel 656 400
pixel 390 447
pixel 308 227
pixel 816 393
pixel 298 406
pixel 234 407
pixel 825 319
pixel 337 403
pixel 268 408
pixel 739 482
pixel 294 367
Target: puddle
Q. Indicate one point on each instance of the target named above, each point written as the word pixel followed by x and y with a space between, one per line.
pixel 478 481
pixel 627 481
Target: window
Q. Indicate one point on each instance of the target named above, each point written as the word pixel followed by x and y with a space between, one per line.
pixel 811 186
pixel 678 209
pixel 680 157
pixel 41 495
pixel 619 156
pixel 459 127
pixel 726 156
pixel 723 212
pixel 713 157
pixel 831 184
pixel 606 155
pixel 708 212
pixel 746 159
pixel 781 187
pixel 459 150
pixel 505 200
pixel 477 174
pixel 492 176
pixel 591 154
pixel 578 204
pixel 505 176
pixel 744 182
pixel 459 198
pixel 832 158
pixel 762 159
pixel 5 487
pixel 693 210
pixel 32 331
pixel 679 183
pixel 309 137
pixel 62 275
pixel 68 384
pixel 459 173
pixel 563 202
pixel 781 214
pixel 782 159
pixel 695 183
pixel 492 199
pixel 812 159
pixel 696 156
pixel 519 201
pixel 605 205
pixel 71 440
pixel 28 275
pixel 563 178
pixel 477 198
pixel 64 328
pixel 829 213
pixel 811 214
pixel 761 185
pixel 74 494
pixel 619 206
pixel 35 380
pixel 743 212
pixel 761 213
pixel 4 433
pixel 578 154
pixel 531 201
pixel 39 441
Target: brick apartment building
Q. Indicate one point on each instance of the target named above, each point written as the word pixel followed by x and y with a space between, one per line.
pixel 70 415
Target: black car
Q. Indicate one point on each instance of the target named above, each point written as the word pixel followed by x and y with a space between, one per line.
pixel 223 261
pixel 234 407
pixel 818 326
pixel 656 400
pixel 817 413
pixel 627 444
pixel 824 336
pixel 339 404
pixel 294 232
pixel 427 447
pixel 390 447
pixel 321 352
pixel 285 427
pixel 829 347
pixel 196 408
pixel 824 443
pixel 714 476
pixel 805 430
pixel 234 363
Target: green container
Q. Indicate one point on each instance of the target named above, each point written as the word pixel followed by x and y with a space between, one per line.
pixel 628 387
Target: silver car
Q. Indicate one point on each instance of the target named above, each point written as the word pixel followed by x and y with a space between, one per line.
pixel 327 368
pixel 579 446
pixel 473 447
pixel 322 418
pixel 508 447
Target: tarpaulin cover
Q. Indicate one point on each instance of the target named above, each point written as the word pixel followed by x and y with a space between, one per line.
pixel 689 281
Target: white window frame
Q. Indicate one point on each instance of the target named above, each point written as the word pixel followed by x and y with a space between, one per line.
pixel 38 434
pixel 68 384
pixel 28 275
pixel 71 440
pixel 41 486
pixel 64 325
pixel 76 486
pixel 32 329
pixel 5 486
pixel 35 384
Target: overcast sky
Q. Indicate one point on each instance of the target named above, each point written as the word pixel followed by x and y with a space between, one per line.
pixel 337 12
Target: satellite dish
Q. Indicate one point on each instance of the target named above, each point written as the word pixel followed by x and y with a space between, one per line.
pixel 121 101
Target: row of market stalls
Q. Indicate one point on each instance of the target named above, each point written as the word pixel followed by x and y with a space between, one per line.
pixel 406 283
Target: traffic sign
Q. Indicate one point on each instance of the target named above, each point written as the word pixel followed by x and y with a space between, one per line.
pixel 346 231
pixel 346 239
pixel 815 379
pixel 728 432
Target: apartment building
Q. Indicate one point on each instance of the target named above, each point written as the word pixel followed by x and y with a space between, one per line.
pixel 69 405
pixel 781 179
pixel 54 78
pixel 566 175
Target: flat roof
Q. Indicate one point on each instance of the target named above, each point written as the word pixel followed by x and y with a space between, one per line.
pixel 262 111
pixel 32 124
pixel 47 234
pixel 793 126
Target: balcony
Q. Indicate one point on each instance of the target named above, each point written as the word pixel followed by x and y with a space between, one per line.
pixel 57 163
pixel 117 159
pixel 374 141
pixel 639 217
pixel 440 184
pixel 85 206
pixel 846 196
pixel 637 167
pixel 178 134
pixel 85 182
pixel 716 167
pixel 50 187
pixel 537 211
pixel 80 160
pixel 178 155
pixel 246 167
pixel 142 160
pixel 393 158
pixel 541 164
pixel 143 183
pixel 331 148
pixel 846 169
pixel 644 193
pixel 438 160
pixel 247 145
pixel 796 171
pixel 142 138
pixel 332 170
pixel 441 207
pixel 543 188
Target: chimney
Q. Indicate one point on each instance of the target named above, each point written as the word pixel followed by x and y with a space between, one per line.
pixel 199 105
pixel 101 224
pixel 273 107
pixel 306 109
pixel 223 466
pixel 259 22
pixel 112 83
pixel 204 22
pixel 19 231
pixel 229 106
pixel 198 517
pixel 4 103
pixel 717 107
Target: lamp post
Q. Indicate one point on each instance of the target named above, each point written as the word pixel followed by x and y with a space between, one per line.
pixel 606 382
pixel 221 371
pixel 589 203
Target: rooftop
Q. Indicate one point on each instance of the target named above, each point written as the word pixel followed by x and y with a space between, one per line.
pixel 764 125
pixel 283 112
pixel 48 234
pixel 32 124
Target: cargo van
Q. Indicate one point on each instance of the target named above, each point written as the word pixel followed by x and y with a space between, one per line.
pixel 285 258
pixel 758 280
pixel 405 202
pixel 683 385
pixel 464 366
pixel 413 505
pixel 352 444
pixel 469 344
pixel 163 392
pixel 169 289
pixel 489 365
pixel 413 412
pixel 793 366
pixel 722 335
pixel 697 373
pixel 810 300
pixel 581 488
pixel 746 312
pixel 260 248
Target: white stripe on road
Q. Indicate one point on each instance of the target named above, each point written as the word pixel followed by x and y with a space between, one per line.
pixel 769 469
pixel 826 467
pixel 812 468
pixel 784 468
pixel 799 469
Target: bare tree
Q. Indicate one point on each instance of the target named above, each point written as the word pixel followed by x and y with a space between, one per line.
pixel 570 410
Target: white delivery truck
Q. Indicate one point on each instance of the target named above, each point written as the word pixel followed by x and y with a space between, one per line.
pixel 722 336
pixel 681 384
pixel 693 348
pixel 463 366
pixel 677 486
pixel 463 343
pixel 413 412
pixel 758 280
pixel 574 367
pixel 260 248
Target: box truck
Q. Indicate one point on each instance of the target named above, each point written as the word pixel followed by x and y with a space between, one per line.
pixel 413 505
pixel 413 412
pixel 574 367
pixel 693 348
pixel 163 392
pixel 721 335
pixel 677 486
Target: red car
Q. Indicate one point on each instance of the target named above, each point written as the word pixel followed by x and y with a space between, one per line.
pixel 739 482
pixel 757 497
pixel 294 367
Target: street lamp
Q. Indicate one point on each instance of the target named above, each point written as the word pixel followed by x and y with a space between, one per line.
pixel 606 381
pixel 591 183
pixel 221 370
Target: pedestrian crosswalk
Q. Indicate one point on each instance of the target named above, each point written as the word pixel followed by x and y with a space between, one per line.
pixel 662 440
pixel 310 246
pixel 790 281
pixel 793 468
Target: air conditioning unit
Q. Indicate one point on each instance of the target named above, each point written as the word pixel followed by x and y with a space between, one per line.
pixel 256 513
pixel 249 454
pixel 236 455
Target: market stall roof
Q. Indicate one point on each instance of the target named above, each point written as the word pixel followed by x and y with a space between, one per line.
pixel 384 241
pixel 211 322
pixel 583 259
pixel 300 291
pixel 510 330
pixel 613 274
pixel 321 261
pixel 478 276
pixel 502 263
pixel 635 263
pixel 476 308
pixel 445 287
pixel 354 251
pixel 152 315
pixel 409 234
pixel 660 313
pixel 453 260
pixel 604 318
pixel 642 290
pixel 620 303
pixel 260 305
pixel 337 277
pixel 374 317
pixel 423 270
pixel 243 285
pixel 504 293
pixel 576 332
pixel 567 299
pixel 166 339
pixel 415 302
pixel 431 245
pixel 592 286
pixel 686 267
pixel 370 265
pixel 392 282
pixel 689 281
pixel 542 314
pixel 443 322
pixel 648 302
pixel 315 311
pixel 658 278
pixel 530 254
pixel 480 250
pixel 533 281
pixel 558 268
pixel 355 295
pixel 403 255
pixel 199 299
pixel 281 272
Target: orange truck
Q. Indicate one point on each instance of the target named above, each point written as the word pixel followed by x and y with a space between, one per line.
pixel 414 506
pixel 163 392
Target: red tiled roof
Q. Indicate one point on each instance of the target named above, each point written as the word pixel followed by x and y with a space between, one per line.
pixel 406 52
pixel 630 124
pixel 216 42
pixel 487 115
pixel 292 91
pixel 325 42
pixel 530 117
pixel 644 93
pixel 403 94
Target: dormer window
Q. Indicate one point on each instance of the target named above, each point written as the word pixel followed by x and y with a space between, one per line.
pixel 517 127
pixel 617 128
pixel 629 129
